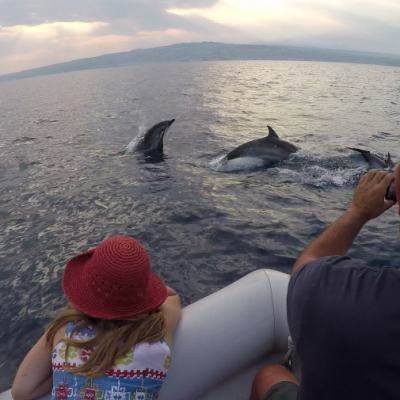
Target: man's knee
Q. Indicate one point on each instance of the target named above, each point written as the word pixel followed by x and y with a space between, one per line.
pixel 268 377
pixel 275 373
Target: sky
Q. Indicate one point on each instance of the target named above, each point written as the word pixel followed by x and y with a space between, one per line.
pixel 35 33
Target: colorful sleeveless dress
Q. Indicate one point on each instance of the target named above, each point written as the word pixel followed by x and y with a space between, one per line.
pixel 138 375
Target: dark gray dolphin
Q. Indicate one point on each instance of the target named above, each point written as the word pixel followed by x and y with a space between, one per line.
pixel 153 140
pixel 270 149
pixel 374 160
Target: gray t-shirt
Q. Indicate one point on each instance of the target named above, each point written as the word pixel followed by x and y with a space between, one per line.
pixel 344 319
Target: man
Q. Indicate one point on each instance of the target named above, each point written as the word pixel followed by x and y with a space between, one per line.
pixel 344 318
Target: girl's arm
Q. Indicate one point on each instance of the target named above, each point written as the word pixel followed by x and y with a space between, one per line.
pixel 172 313
pixel 35 376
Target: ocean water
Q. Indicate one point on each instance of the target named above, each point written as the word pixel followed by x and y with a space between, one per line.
pixel 64 189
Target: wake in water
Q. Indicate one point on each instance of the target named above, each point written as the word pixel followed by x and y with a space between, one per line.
pixel 322 177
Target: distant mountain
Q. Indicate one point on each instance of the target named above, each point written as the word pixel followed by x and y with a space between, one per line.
pixel 210 51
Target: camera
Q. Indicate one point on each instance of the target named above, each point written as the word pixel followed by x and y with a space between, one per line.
pixel 391 192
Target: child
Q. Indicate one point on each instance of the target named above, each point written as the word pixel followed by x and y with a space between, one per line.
pixel 112 340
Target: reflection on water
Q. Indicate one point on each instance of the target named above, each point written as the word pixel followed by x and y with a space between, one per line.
pixel 63 188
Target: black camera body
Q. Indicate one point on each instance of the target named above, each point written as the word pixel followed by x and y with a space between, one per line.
pixel 391 192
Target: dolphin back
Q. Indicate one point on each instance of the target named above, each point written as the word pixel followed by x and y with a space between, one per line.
pixel 252 148
pixel 360 150
pixel 266 147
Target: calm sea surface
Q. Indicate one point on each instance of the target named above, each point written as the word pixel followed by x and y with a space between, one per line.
pixel 63 189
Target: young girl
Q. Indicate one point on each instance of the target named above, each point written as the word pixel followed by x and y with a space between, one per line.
pixel 112 341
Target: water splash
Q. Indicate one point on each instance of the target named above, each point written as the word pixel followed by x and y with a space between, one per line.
pixel 318 170
pixel 130 149
pixel 321 177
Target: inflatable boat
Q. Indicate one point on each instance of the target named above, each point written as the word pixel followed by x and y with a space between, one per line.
pixel 223 340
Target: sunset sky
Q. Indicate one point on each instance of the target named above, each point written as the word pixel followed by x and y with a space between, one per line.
pixel 35 33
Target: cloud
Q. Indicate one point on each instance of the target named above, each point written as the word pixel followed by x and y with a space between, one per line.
pixel 24 38
pixel 50 30
pixel 370 25
pixel 40 32
pixel 23 46
pixel 33 12
pixel 266 20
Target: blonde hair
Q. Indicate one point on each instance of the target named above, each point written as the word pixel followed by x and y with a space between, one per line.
pixel 114 338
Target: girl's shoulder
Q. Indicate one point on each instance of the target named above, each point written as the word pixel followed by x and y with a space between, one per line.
pixel 59 336
pixel 67 330
pixel 83 333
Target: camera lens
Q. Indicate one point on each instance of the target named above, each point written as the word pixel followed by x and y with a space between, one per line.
pixel 391 192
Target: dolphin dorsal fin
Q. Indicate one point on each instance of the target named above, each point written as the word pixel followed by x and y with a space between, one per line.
pixel 272 133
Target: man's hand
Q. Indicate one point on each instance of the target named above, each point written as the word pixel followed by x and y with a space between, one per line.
pixel 369 198
pixel 368 203
pixel 397 184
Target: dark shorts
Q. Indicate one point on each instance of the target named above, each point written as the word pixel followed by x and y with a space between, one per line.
pixel 282 391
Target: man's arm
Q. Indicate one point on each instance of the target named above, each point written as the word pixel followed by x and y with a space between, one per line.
pixel 368 203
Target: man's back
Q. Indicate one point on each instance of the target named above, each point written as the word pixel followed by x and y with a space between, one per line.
pixel 345 321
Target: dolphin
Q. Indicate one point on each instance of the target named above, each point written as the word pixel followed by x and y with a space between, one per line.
pixel 270 149
pixel 374 160
pixel 152 141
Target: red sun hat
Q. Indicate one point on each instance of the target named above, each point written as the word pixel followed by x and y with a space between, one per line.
pixel 113 281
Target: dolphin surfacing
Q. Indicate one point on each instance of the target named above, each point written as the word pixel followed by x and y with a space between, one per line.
pixel 373 160
pixel 152 141
pixel 271 149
